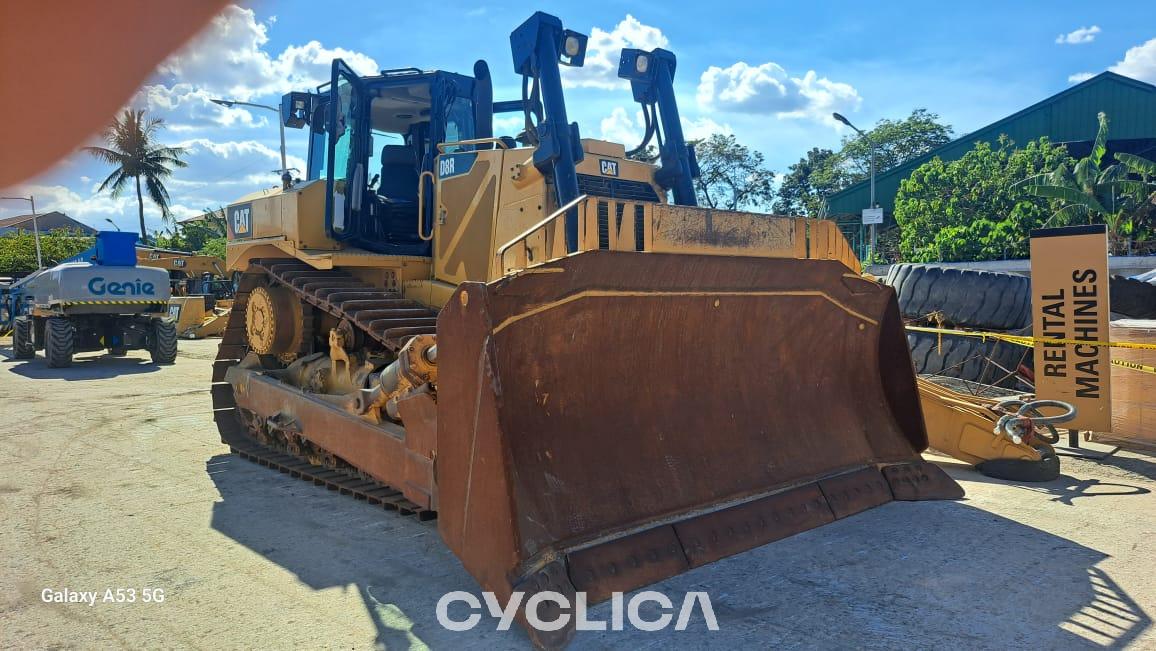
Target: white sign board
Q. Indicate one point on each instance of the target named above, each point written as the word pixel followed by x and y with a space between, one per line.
pixel 872 215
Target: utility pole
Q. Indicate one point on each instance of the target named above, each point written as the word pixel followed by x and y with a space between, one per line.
pixel 286 177
pixel 840 118
pixel 35 227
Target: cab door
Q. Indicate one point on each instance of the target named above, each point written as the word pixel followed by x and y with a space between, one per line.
pixel 345 183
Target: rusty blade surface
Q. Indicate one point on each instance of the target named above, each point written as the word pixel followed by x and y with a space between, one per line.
pixel 610 393
pixel 921 481
pixel 854 492
pixel 727 532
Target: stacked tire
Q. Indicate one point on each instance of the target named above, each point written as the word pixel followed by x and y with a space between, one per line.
pixel 1133 297
pixel 937 296
pixel 974 300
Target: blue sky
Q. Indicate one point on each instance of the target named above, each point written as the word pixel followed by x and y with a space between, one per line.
pixel 771 73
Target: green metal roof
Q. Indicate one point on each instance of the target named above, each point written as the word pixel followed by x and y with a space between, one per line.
pixel 1069 116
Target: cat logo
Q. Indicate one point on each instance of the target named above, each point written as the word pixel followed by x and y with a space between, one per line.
pixel 608 167
pixel 239 220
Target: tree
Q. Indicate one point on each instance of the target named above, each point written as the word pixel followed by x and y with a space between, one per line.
pixel 205 232
pixel 972 208
pixel 18 249
pixel 808 182
pixel 648 154
pixel 821 172
pixel 1116 195
pixel 732 176
pixel 895 143
pixel 133 149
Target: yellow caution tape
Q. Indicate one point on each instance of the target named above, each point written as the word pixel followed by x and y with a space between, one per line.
pixel 1135 366
pixel 1029 342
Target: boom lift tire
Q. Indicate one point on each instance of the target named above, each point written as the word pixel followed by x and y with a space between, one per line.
pixel 962 297
pixel 164 345
pixel 1132 298
pixel 1046 469
pixel 59 342
pixel 23 346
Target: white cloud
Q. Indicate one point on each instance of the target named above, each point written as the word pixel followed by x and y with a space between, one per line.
pixel 228 59
pixel 768 89
pixel 1079 36
pixel 187 108
pixel 231 151
pixel 603 50
pixel 703 127
pixel 230 168
pixel 510 125
pixel 93 209
pixel 1139 62
pixel 621 127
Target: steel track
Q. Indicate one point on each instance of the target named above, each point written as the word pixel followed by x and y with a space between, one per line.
pixel 382 316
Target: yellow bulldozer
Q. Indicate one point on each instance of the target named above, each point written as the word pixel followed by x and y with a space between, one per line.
pixel 592 382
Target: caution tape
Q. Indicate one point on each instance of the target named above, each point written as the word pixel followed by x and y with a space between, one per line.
pixel 1135 366
pixel 1030 342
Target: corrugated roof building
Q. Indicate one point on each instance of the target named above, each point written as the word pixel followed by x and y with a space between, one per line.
pixel 1068 117
pixel 48 221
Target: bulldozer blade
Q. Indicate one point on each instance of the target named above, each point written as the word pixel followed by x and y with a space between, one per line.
pixel 621 417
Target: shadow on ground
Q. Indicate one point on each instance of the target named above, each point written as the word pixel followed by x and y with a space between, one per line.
pixel 85 366
pixel 1142 466
pixel 911 575
pixel 1066 489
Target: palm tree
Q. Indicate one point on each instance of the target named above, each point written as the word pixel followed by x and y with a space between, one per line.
pixel 1116 195
pixel 133 148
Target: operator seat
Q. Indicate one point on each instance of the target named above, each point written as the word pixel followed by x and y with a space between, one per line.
pixel 398 174
pixel 394 223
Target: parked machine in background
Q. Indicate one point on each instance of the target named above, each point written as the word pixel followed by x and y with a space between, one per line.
pixel 594 383
pixel 97 300
pixel 189 273
pixel 202 292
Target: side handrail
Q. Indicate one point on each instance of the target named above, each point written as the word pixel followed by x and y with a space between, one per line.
pixel 530 231
pixel 476 141
pixel 421 205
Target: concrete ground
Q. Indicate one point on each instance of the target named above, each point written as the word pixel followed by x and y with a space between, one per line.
pixel 111 476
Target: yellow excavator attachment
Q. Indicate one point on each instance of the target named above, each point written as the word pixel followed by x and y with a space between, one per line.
pixel 971 428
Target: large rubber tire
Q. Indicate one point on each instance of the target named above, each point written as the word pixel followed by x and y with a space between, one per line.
pixel 967 358
pixel 164 346
pixel 986 300
pixel 23 346
pixel 59 342
pixel 1132 298
pixel 1046 469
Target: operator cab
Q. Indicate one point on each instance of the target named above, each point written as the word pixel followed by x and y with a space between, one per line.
pixel 374 138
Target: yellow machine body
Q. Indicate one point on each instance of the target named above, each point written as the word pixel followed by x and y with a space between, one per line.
pixel 195 320
pixel 672 386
